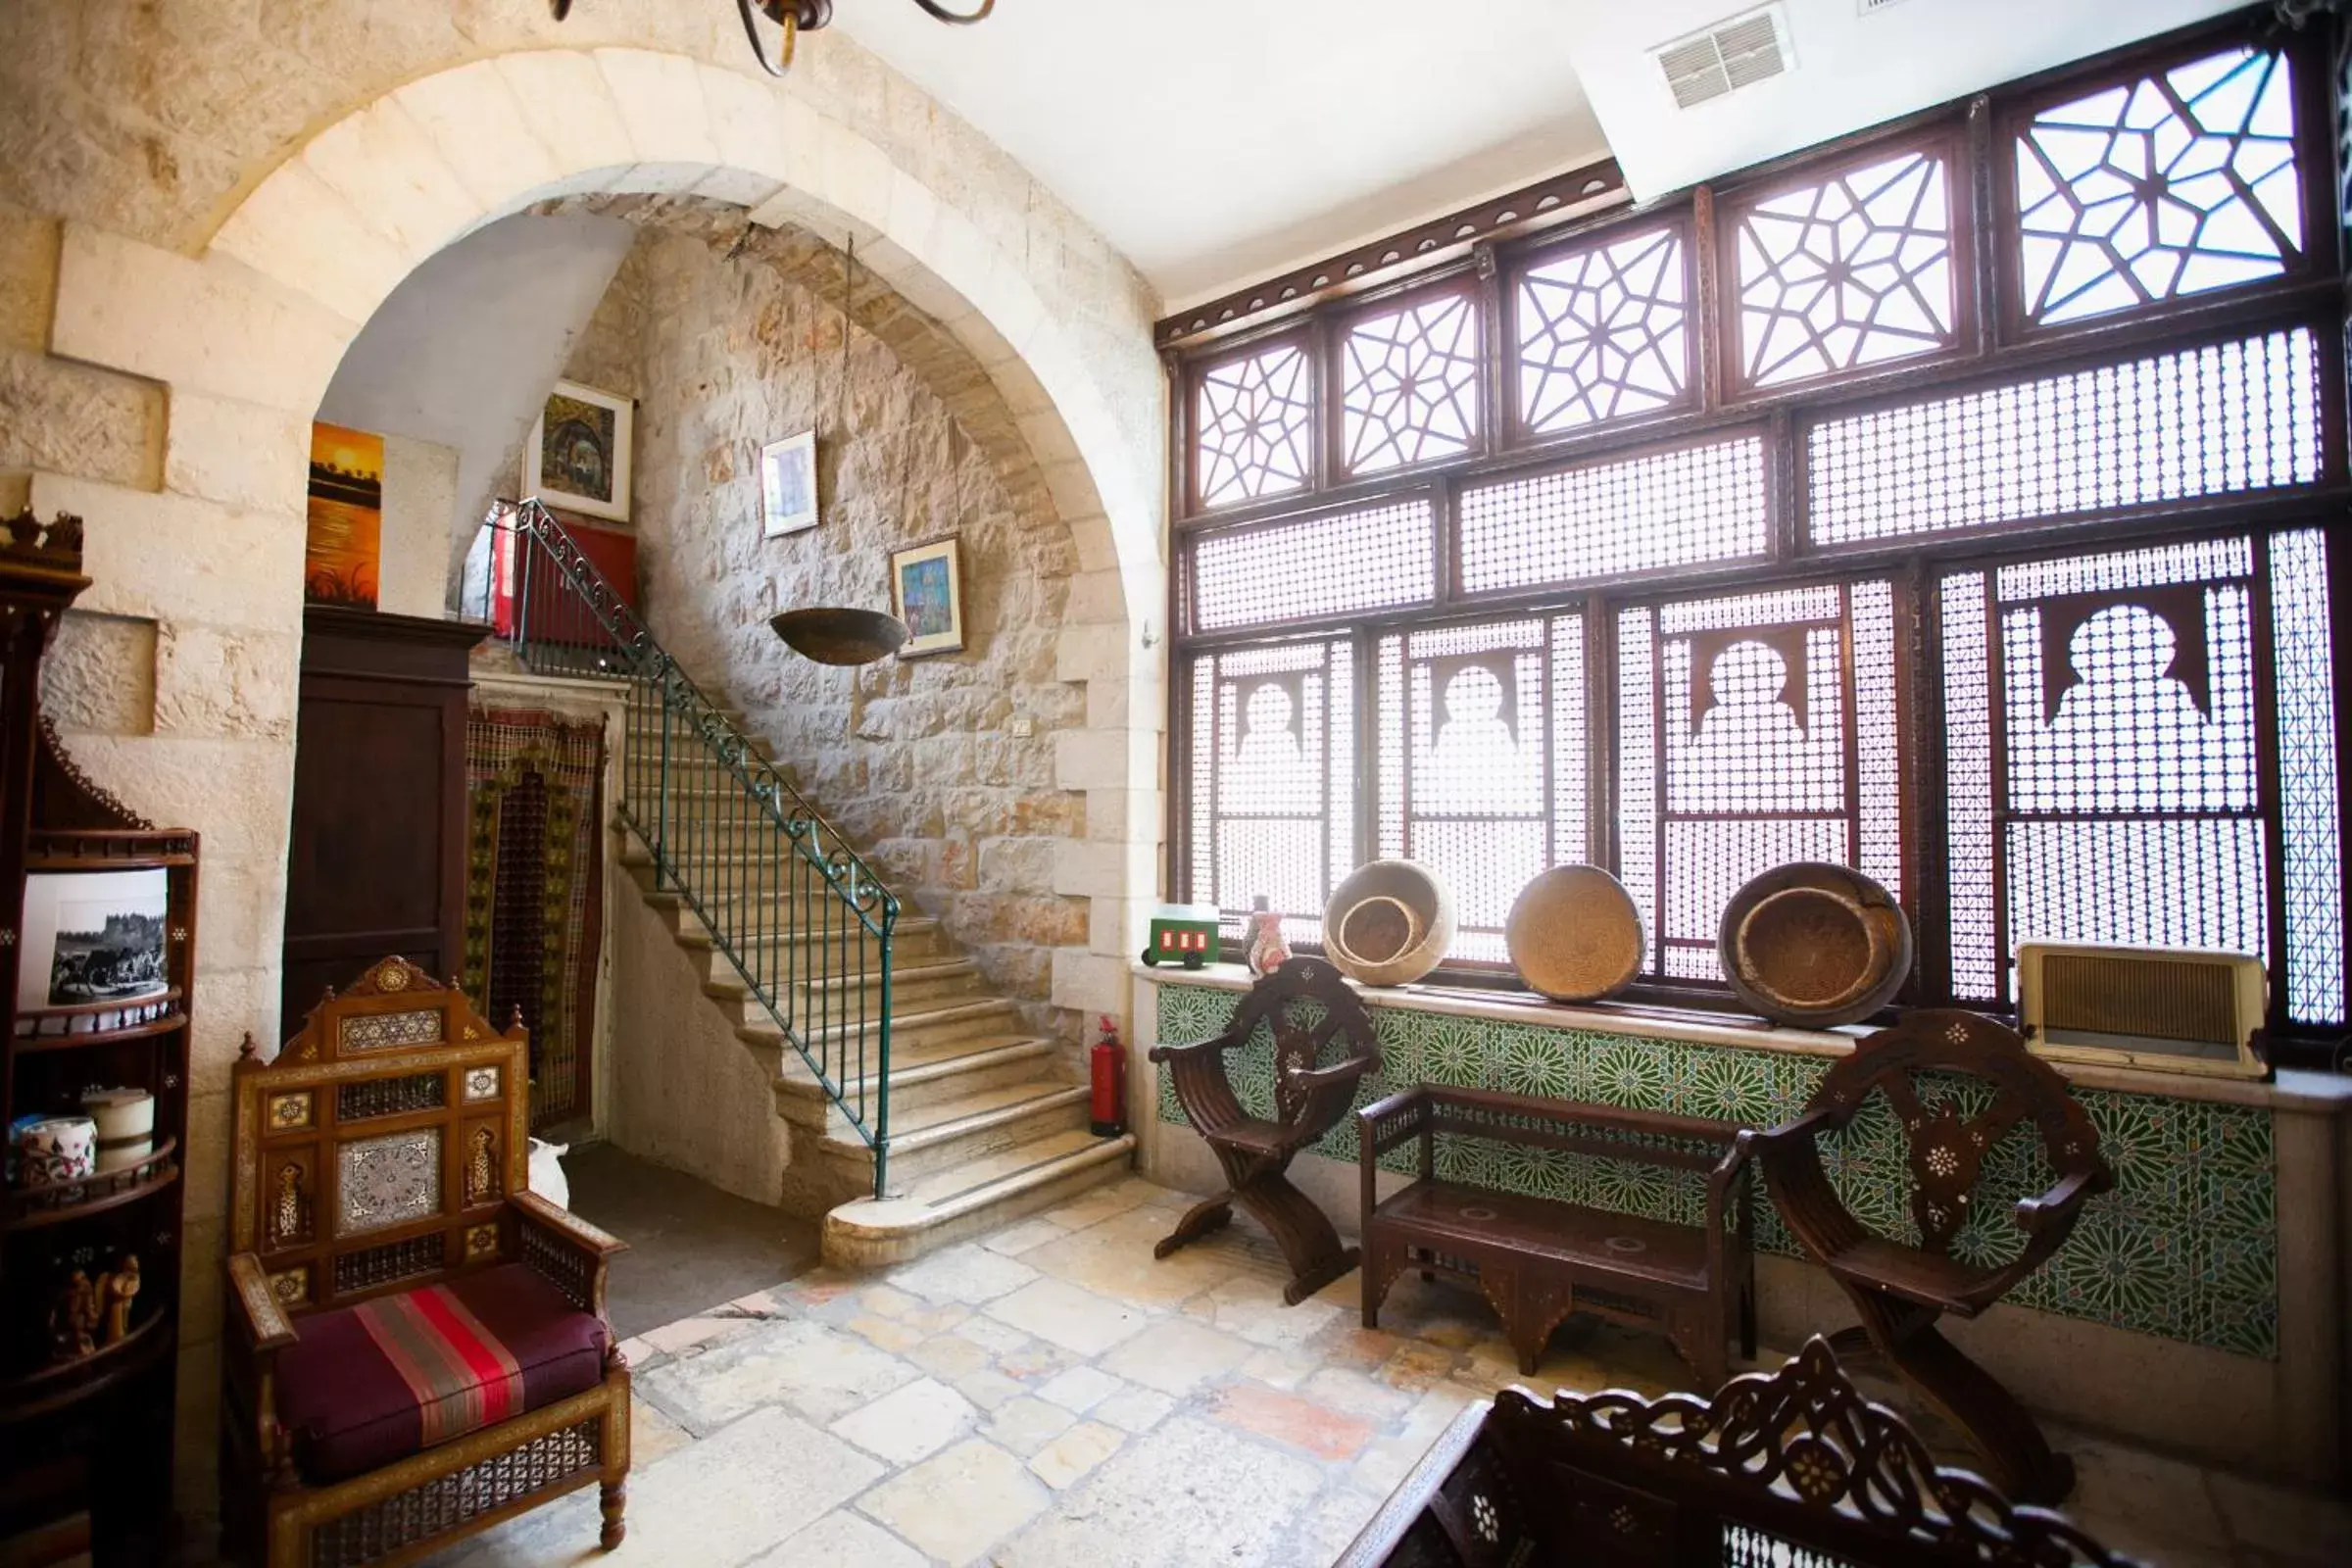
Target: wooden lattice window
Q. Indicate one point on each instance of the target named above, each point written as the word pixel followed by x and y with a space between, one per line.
pixel 1753 731
pixel 1847 272
pixel 1254 426
pixel 1273 779
pixel 2108 745
pixel 1678 506
pixel 2225 418
pixel 1482 761
pixel 1409 384
pixel 1371 558
pixel 1604 332
pixel 2177 181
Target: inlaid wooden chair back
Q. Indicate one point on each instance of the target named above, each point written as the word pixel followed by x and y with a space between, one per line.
pixel 376 1151
pixel 1319 1024
pixel 1946 1143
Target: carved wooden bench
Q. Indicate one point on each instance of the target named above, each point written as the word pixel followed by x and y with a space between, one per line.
pixel 1537 1260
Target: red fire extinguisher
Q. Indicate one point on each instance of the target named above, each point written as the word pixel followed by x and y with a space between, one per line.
pixel 1109 1065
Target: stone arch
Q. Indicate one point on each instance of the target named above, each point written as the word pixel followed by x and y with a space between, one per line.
pixel 246 334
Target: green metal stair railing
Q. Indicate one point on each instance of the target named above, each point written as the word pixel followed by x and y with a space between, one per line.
pixel 803 919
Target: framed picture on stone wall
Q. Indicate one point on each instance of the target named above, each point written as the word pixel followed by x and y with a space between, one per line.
pixel 926 592
pixel 578 454
pixel 788 485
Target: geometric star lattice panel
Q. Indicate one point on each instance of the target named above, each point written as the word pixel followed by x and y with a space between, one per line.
pixel 1604 333
pixel 1853 271
pixel 1255 423
pixel 2185 1247
pixel 2181 182
pixel 1408 385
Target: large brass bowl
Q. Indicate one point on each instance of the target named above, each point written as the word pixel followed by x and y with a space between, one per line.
pixel 832 635
pixel 1388 923
pixel 1814 945
pixel 1574 934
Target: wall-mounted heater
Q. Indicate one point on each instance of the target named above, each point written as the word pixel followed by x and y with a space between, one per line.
pixel 2166 1010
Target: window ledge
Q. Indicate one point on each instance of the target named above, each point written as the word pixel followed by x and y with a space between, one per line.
pixel 2293 1089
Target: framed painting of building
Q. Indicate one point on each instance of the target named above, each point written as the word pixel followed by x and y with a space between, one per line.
pixel 578 457
pixel 926 592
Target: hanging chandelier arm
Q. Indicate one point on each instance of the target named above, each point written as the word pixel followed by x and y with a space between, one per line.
pixel 960 19
pixel 786 17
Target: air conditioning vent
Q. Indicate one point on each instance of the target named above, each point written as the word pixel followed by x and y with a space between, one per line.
pixel 1737 52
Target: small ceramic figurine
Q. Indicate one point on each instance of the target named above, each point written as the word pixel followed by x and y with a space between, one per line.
pixel 116 1290
pixel 74 1320
pixel 1267 950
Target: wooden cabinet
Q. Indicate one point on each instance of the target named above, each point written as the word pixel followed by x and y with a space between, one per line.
pixel 376 860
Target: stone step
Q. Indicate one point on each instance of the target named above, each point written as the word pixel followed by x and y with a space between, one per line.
pixel 918 1078
pixel 929 1139
pixel 910 1030
pixel 966 1199
pixel 915 942
pixel 912 985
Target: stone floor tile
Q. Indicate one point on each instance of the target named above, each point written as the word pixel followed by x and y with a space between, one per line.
pixel 1278 1369
pixel 934 1319
pixel 909 1424
pixel 1026 1425
pixel 1061 1313
pixel 949 1355
pixel 970 1274
pixel 653 1434
pixel 1415 1368
pixel 1345 1345
pixel 1114 1260
pixel 671 1338
pixel 1191 1495
pixel 1251 1306
pixel 843 1539
pixel 1288 1418
pixel 2287 1523
pixel 740 1491
pixel 989 1389
pixel 821 1373
pixel 1177 1357
pixel 1096 1206
pixel 998 1338
pixel 1330 1523
pixel 639 1355
pixel 760 1303
pixel 1080 1388
pixel 1020 1238
pixel 2142 1504
pixel 896 1338
pixel 958 1504
pixel 884 1301
pixel 1064 1462
pixel 1036 1361
pixel 1382 1466
pixel 1135 1410
pixel 1354 1393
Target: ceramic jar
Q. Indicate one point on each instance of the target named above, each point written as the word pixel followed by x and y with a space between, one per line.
pixel 61 1149
pixel 125 1120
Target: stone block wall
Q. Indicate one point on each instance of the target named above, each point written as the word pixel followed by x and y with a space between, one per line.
pixel 920 763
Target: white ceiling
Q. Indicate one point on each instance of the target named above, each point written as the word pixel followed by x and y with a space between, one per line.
pixel 1214 142
pixel 1217 142
pixel 1851 69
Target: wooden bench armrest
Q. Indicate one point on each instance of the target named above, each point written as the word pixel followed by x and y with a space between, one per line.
pixel 253 1305
pixel 564 1250
pixel 2056 1208
pixel 1415 1100
pixel 1803 1130
pixel 565 1227
pixel 1213 1044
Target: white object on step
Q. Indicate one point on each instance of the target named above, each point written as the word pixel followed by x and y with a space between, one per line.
pixel 547 1173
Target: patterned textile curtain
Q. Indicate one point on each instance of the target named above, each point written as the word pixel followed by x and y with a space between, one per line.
pixel 534 912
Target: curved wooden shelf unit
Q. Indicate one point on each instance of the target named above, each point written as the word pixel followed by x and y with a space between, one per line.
pixel 64 1382
pixel 104 1190
pixel 167 1015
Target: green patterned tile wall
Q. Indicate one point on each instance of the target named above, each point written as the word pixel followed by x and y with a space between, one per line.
pixel 2185 1247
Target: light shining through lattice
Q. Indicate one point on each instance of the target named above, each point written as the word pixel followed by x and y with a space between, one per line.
pixel 1272 786
pixel 1853 271
pixel 2302 657
pixel 2178 183
pixel 1256 427
pixel 1676 508
pixel 2220 419
pixel 1604 333
pixel 1408 385
pixel 1369 558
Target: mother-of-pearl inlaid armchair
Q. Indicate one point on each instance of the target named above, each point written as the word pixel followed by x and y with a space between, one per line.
pixel 416 1346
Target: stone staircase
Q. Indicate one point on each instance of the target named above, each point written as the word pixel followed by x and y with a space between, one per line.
pixel 988 1121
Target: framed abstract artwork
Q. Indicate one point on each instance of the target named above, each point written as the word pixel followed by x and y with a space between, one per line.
pixel 926 592
pixel 788 485
pixel 578 454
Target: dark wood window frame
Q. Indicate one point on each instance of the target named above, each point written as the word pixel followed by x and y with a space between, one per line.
pixel 1991 348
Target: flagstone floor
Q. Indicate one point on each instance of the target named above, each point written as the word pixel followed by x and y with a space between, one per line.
pixel 1051 1396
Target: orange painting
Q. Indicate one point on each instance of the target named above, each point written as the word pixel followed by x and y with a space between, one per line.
pixel 347 517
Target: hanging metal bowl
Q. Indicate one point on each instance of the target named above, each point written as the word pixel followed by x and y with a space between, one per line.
pixel 832 635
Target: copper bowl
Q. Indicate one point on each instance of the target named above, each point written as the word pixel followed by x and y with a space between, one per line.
pixel 831 635
pixel 1814 945
pixel 1388 923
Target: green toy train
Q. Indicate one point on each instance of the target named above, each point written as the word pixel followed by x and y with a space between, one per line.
pixel 1182 933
